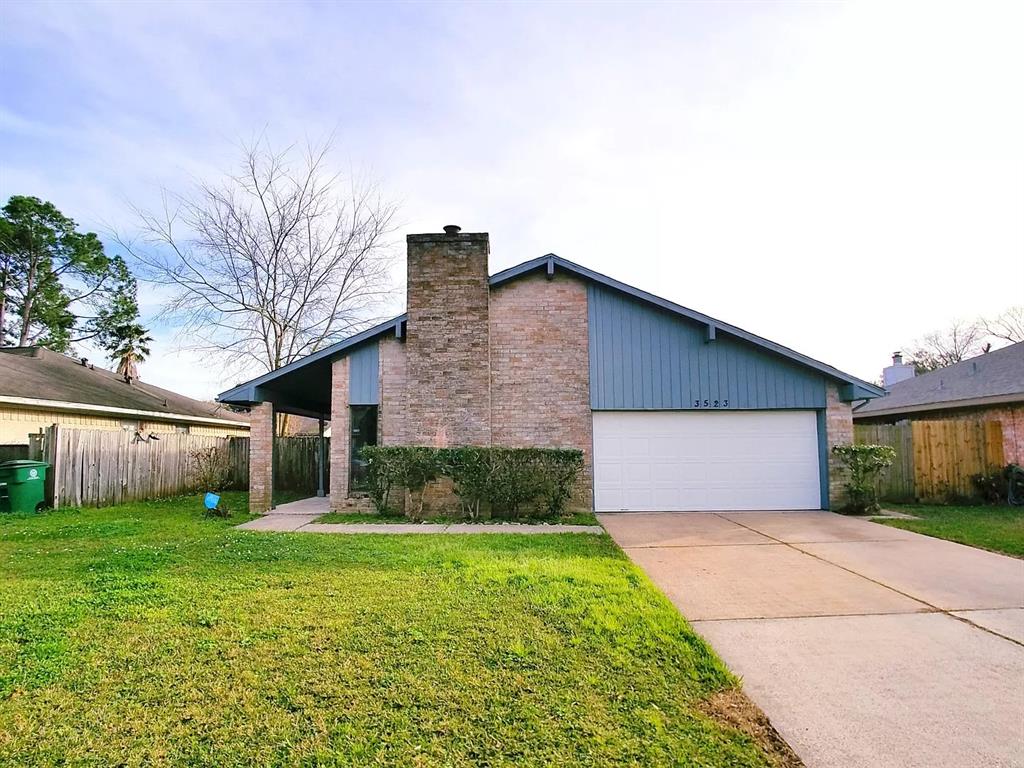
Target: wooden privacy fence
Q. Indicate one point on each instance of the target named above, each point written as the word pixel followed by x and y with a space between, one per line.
pixel 99 468
pixel 935 459
pixel 898 481
pixel 295 467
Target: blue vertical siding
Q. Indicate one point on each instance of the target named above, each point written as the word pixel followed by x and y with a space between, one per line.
pixel 642 357
pixel 363 375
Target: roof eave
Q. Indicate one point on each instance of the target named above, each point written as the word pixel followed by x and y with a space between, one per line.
pixel 247 393
pixel 866 389
pixel 62 405
pixel 944 405
pixel 243 393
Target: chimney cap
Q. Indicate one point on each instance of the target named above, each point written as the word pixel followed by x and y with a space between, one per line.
pixel 452 229
pixel 897 357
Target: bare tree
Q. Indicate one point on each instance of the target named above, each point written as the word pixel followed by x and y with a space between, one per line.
pixel 271 263
pixel 961 340
pixel 1009 326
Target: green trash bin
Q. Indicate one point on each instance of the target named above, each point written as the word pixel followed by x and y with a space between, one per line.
pixel 22 485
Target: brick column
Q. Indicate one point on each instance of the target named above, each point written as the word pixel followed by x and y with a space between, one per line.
pixel 340 430
pixel 261 458
pixel 838 431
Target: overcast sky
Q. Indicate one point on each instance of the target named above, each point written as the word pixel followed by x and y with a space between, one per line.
pixel 837 177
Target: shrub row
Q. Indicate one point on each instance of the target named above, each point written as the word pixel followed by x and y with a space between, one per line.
pixel 499 481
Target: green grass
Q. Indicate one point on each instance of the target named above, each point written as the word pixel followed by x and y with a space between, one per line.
pixel 997 528
pixel 570 518
pixel 151 635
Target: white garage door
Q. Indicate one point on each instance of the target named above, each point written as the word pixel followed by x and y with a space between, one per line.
pixel 705 461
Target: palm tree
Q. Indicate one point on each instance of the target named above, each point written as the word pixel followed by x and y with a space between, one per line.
pixel 131 348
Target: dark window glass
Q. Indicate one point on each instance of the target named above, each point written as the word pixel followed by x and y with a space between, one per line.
pixel 363 421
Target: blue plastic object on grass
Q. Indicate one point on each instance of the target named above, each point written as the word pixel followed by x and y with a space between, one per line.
pixel 211 501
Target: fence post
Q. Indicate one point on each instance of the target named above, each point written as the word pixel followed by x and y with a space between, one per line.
pixel 53 458
pixel 320 458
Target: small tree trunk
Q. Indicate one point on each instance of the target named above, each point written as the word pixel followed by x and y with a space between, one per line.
pixel 26 310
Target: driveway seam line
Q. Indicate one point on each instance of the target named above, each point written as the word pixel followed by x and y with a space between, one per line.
pixel 772 543
pixel 935 608
pixel 819 616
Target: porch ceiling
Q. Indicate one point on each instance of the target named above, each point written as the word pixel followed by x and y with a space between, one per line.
pixel 305 391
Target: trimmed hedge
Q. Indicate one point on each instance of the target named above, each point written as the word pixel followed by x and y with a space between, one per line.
pixel 498 481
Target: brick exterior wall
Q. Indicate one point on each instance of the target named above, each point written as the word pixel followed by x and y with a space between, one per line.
pixel 340 432
pixel 447 340
pixel 261 458
pixel 391 412
pixel 540 369
pixel 838 431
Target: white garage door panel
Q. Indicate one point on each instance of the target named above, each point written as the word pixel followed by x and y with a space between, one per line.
pixel 705 461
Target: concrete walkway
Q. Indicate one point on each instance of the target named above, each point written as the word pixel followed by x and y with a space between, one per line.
pixel 865 645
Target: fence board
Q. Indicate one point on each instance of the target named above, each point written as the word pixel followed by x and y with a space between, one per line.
pixel 104 467
pixel 898 481
pixel 950 452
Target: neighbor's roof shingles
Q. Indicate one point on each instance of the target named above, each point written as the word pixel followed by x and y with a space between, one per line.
pixel 39 374
pixel 998 374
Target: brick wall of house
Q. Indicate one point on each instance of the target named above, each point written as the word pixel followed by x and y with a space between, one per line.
pixel 540 377
pixel 261 458
pixel 838 431
pixel 339 433
pixel 391 412
pixel 447 340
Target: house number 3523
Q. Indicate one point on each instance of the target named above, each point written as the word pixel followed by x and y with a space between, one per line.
pixel 710 403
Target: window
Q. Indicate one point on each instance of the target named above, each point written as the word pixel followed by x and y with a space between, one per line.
pixel 363 430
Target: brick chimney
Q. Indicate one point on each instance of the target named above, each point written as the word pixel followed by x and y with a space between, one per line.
pixel 447 339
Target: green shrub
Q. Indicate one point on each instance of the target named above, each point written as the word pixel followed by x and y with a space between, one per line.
pixel 864 464
pixel 487 480
pixel 409 467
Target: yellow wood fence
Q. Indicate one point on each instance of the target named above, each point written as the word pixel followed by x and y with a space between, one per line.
pixel 935 459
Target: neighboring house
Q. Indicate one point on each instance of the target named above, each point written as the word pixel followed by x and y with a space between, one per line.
pixel 988 387
pixel 39 388
pixel 673 409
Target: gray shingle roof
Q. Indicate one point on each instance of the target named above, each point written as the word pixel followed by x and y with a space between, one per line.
pixel 998 374
pixel 31 372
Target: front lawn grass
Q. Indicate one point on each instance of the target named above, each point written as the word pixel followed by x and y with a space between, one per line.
pixel 149 634
pixel 997 528
pixel 569 518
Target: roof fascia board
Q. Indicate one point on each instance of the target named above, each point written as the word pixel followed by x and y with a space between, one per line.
pixel 60 405
pixel 238 393
pixel 589 274
pixel 244 393
pixel 946 405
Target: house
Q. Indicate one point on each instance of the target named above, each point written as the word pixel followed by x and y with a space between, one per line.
pixel 673 409
pixel 39 388
pixel 989 387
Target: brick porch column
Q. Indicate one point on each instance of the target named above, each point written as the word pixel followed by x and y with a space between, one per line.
pixel 838 431
pixel 261 458
pixel 339 433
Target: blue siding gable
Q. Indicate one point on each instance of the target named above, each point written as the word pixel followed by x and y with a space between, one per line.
pixel 363 375
pixel 643 357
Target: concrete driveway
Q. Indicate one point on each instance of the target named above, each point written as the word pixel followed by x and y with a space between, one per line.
pixel 865 645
